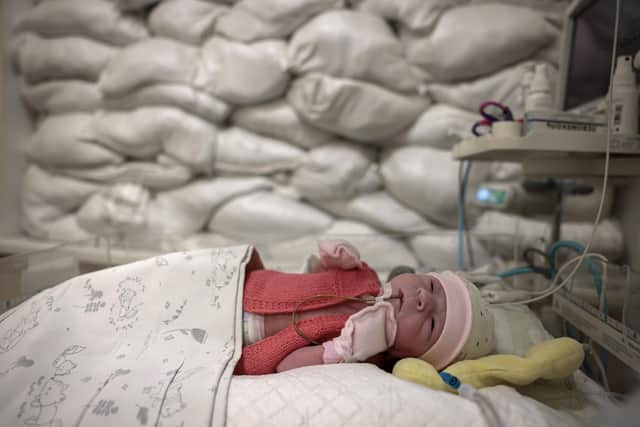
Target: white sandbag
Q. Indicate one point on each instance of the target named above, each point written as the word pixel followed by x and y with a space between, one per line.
pixel 151 61
pixel 550 54
pixel 49 202
pixel 181 96
pixel 207 240
pixel 426 180
pixel 236 72
pixel 251 20
pixel 52 195
pixel 503 234
pixel 380 211
pixel 242 151
pixel 154 176
pixel 116 210
pixel 551 6
pixel 134 4
pixel 267 216
pixel 417 15
pixel 277 119
pixel 62 96
pixel 189 21
pixel 243 74
pixel 178 212
pixel 508 86
pixel 96 19
pixel 441 126
pixel 358 110
pixel 438 250
pixel 186 210
pixel 68 141
pixel 144 132
pixel 346 43
pixel 61 229
pixel 338 170
pixel 494 36
pixel 381 251
pixel 39 59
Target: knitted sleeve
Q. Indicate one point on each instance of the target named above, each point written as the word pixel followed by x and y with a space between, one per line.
pixel 270 292
pixel 264 356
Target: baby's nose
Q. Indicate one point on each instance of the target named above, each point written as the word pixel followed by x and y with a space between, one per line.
pixel 423 301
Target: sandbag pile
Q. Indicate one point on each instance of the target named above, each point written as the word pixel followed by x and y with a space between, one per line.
pixel 270 121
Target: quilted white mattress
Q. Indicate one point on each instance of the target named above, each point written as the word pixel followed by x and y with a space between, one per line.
pixel 363 395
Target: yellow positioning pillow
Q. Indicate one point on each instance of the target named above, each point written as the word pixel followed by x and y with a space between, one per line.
pixel 552 359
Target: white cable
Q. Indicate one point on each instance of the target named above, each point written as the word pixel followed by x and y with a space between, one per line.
pixel 553 288
pixel 627 299
pixel 516 242
pixel 603 289
pixel 603 372
pixel 605 179
pixel 596 255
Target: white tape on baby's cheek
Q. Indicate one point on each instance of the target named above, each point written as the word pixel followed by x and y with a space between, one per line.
pixel 385 292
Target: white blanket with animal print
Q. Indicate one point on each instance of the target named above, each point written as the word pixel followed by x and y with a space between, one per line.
pixel 151 343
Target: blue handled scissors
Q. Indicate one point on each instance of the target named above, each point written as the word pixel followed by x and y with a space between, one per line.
pixel 491 112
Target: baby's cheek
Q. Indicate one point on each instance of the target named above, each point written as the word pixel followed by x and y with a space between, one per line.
pixel 419 329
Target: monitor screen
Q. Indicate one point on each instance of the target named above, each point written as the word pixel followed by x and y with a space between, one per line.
pixel 589 55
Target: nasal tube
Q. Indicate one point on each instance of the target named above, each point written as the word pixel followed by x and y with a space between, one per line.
pixel 624 102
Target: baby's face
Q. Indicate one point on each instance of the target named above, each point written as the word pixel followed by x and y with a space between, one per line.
pixel 420 308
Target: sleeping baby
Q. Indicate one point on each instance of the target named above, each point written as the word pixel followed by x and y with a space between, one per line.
pixel 340 312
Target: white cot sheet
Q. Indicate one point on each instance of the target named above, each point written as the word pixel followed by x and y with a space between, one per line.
pixel 356 395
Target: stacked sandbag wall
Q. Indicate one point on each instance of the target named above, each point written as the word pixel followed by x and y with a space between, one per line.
pixel 270 121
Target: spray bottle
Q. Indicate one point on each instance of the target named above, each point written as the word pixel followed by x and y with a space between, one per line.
pixel 538 96
pixel 624 102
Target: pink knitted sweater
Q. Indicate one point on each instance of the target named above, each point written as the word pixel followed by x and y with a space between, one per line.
pixel 272 292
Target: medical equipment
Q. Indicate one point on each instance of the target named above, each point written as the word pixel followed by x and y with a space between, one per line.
pixel 553 120
pixel 624 98
pixel 569 144
pixel 586 60
pixel 503 113
pixel 573 151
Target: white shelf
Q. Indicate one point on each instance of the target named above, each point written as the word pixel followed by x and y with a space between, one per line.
pixel 556 153
pixel 91 252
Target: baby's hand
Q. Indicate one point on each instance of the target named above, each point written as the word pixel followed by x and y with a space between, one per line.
pixel 338 253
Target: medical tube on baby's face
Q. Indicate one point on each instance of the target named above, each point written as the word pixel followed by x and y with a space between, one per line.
pixel 420 307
